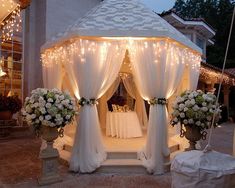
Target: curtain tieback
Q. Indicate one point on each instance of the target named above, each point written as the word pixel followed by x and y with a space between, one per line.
pixel 154 101
pixel 83 101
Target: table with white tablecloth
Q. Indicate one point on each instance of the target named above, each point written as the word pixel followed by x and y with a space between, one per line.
pixel 123 125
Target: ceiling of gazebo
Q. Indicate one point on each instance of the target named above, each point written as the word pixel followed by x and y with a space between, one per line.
pixel 122 18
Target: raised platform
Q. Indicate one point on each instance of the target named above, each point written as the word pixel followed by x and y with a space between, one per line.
pixel 122 155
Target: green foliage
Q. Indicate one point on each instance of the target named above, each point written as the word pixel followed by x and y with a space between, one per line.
pixel 218 14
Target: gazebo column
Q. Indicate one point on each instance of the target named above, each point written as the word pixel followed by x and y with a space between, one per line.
pixel 226 91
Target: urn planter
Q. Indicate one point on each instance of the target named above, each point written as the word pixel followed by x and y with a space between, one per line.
pixel 192 134
pixel 49 157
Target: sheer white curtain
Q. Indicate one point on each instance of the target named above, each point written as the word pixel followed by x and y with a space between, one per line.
pixel 53 76
pixel 53 72
pixel 157 68
pixel 103 106
pixel 194 72
pixel 93 67
pixel 139 102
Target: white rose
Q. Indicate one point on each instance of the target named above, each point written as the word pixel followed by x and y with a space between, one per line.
pixel 198 123
pixel 48 105
pixel 49 100
pixel 181 106
pixel 41 118
pixel 28 109
pixel 60 106
pixel 185 121
pixel 33 116
pixel 47 117
pixel 204 109
pixel 190 121
pixel 190 96
pixel 195 108
pixel 42 110
pixel 61 97
pixel 67 117
pixel 192 101
pixel 182 115
pixel 57 116
pixel 185 109
pixel 188 103
pixel 204 104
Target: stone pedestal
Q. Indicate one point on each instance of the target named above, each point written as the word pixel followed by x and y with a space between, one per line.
pixel 49 156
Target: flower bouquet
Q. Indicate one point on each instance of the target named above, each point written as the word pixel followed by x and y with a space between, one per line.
pixel 195 110
pixel 51 108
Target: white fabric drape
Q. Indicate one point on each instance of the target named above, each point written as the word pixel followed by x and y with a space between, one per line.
pixel 158 68
pixel 93 67
pixel 194 72
pixel 139 102
pixel 103 106
pixel 53 74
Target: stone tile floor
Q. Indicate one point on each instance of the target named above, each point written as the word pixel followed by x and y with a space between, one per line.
pixel 20 166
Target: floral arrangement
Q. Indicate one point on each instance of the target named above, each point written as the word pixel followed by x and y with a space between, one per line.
pixel 52 108
pixel 195 108
pixel 10 103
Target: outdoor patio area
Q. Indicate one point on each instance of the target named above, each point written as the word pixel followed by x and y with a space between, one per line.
pixel 20 165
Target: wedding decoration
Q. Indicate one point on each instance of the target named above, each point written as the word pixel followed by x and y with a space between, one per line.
pixel 161 101
pixel 48 110
pixel 84 101
pixel 194 110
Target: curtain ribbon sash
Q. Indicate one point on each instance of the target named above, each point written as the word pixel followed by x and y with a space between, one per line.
pixel 83 101
pixel 160 101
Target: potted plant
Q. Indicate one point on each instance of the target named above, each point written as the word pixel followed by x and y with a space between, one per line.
pixel 48 111
pixel 194 111
pixel 8 106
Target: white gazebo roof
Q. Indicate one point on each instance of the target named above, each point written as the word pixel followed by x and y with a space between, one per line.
pixel 122 18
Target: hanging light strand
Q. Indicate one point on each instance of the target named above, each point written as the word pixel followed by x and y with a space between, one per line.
pixel 11 24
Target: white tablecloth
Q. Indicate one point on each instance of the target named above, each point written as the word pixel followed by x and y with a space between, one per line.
pixel 123 125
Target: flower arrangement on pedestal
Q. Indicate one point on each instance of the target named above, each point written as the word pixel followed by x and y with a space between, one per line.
pixel 194 110
pixel 47 111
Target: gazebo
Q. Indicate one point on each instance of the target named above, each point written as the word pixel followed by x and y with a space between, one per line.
pixel 90 53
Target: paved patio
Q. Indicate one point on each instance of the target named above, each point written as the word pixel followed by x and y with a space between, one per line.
pixel 20 166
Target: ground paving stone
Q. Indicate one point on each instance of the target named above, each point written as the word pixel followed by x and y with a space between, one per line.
pixel 20 166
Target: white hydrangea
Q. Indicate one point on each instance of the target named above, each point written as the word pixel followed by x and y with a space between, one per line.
pixel 182 115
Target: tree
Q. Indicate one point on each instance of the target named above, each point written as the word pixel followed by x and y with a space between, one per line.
pixel 218 14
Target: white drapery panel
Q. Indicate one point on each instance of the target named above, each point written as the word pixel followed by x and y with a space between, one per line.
pixel 103 106
pixel 158 68
pixel 139 102
pixel 194 72
pixel 93 67
pixel 52 71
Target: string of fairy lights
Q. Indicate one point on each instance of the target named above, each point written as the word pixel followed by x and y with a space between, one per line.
pixel 13 21
pixel 208 74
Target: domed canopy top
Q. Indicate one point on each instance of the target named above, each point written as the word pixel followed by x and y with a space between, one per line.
pixel 122 18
